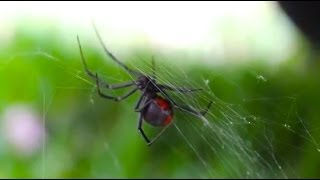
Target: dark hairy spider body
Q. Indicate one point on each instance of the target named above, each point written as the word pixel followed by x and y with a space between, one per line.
pixel 154 105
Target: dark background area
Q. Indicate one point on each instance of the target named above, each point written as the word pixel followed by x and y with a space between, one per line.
pixel 305 15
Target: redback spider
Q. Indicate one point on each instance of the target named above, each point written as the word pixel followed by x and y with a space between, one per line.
pixel 155 109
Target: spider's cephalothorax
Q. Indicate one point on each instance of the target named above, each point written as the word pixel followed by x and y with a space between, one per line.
pixel 145 83
pixel 154 105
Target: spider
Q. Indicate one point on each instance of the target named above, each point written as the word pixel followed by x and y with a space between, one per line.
pixel 154 104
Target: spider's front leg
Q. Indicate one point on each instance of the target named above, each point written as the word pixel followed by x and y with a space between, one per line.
pixel 119 98
pixel 103 83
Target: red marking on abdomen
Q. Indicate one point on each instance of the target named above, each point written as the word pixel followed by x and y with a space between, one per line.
pixel 167 120
pixel 163 104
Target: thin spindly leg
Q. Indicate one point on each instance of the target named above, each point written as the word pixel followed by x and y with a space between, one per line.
pixel 145 136
pixel 139 102
pixel 187 109
pixel 112 97
pixel 103 83
pixel 112 56
pixel 141 121
pixel 159 134
pixel 145 104
pixel 141 99
pixel 178 89
pixel 141 130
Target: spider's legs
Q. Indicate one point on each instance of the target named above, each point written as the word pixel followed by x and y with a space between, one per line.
pixel 143 106
pixel 140 109
pixel 187 109
pixel 112 56
pixel 178 89
pixel 141 99
pixel 158 135
pixel 111 97
pixel 141 130
pixel 103 83
pixel 143 133
pixel 116 86
pixel 139 102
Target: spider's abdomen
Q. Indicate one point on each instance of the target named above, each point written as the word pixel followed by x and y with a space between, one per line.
pixel 159 112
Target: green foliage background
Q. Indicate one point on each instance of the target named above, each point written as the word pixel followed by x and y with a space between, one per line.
pixel 100 139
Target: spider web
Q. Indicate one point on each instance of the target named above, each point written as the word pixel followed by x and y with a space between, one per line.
pixel 229 141
pixel 232 140
pixel 226 129
pixel 224 143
